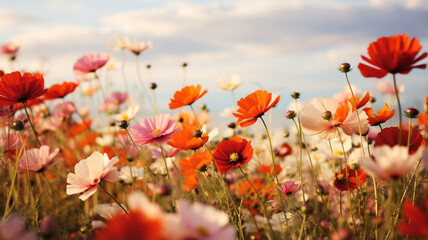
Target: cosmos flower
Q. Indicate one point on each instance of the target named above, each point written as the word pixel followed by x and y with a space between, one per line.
pixel 15 88
pixel 229 84
pixel 254 106
pixel 415 220
pixel 185 140
pixel 136 47
pixel 232 153
pixel 10 48
pixel 382 116
pixel 355 178
pixel 389 162
pixel 323 116
pixel 125 174
pixel 393 54
pixel 283 150
pixel 90 172
pixel 289 187
pixel 38 159
pixel 189 166
pixel 60 90
pixel 389 136
pixel 186 96
pixel 155 130
pixel 90 63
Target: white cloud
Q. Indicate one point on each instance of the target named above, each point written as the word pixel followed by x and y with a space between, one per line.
pixel 65 5
pixel 10 19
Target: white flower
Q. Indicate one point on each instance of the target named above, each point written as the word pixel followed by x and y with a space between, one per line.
pixel 127 114
pixel 125 174
pixel 390 162
pixel 229 84
pixel 106 211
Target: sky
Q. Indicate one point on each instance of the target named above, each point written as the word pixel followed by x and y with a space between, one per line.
pixel 277 45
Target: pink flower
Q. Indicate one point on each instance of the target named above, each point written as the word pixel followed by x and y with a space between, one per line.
pixel 90 172
pixel 13 228
pixel 113 101
pixel 158 130
pixel 10 48
pixel 325 116
pixel 90 63
pixel 385 87
pixel 168 152
pixel 38 159
pixel 289 187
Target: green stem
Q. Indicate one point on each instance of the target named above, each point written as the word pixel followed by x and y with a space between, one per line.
pixel 302 227
pixel 399 109
pixel 410 134
pixel 32 125
pixel 114 199
pixel 301 160
pixel 271 151
pixel 142 84
pixel 12 184
pixel 196 116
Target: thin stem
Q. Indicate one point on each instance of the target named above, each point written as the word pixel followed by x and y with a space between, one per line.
pixel 196 116
pixel 301 160
pixel 410 134
pixel 102 89
pixel 26 161
pixel 114 199
pixel 356 112
pixel 271 151
pixel 32 125
pixel 12 184
pixel 399 109
pixel 260 198
pixel 142 83
pixel 302 226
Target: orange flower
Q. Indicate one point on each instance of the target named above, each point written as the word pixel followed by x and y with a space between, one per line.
pixel 186 96
pixel 189 165
pixel 60 90
pixel 393 54
pixel 259 184
pixel 254 106
pixel 360 102
pixel 267 169
pixel 15 88
pixel 183 139
pixel 232 153
pixel 382 116
pixel 355 178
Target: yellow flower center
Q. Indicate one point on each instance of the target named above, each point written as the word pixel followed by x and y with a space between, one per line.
pixel 340 176
pixel 338 152
pixel 124 117
pixel 229 85
pixel 202 230
pixel 156 131
pixel 233 157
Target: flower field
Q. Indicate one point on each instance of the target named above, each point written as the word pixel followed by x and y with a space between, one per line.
pixel 343 170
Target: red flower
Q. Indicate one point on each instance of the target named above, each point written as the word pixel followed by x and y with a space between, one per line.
pixel 393 54
pixel 15 88
pixel 415 222
pixel 186 96
pixel 232 153
pixel 133 226
pixel 283 150
pixel 353 181
pixel 389 136
pixel 60 90
pixel 382 116
pixel 254 106
pixel 90 63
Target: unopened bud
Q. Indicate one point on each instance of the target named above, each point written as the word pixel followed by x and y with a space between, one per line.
pixel 153 86
pixel 345 67
pixel 148 66
pixel 123 124
pixel 197 133
pixel 290 114
pixel 411 112
pixel 372 100
pixel 184 64
pixel 232 125
pixel 326 115
pixel 295 95
pixel 18 125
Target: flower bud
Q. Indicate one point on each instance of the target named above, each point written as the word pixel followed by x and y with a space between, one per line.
pixel 203 107
pixel 184 64
pixel 197 133
pixel 306 209
pixel 290 114
pixel 345 67
pixel 153 86
pixel 148 66
pixel 372 100
pixel 123 124
pixel 295 95
pixel 326 115
pixel 232 125
pixel 18 125
pixel 286 134
pixel 411 112
pixel 163 190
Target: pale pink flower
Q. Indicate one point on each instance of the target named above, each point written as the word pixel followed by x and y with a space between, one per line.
pixel 198 221
pixel 289 188
pixel 155 130
pixel 38 159
pixel 346 94
pixel 113 102
pixel 385 87
pixel 168 152
pixel 90 172
pixel 10 48
pixel 13 228
pixel 90 63
pixel 320 116
pixel 390 162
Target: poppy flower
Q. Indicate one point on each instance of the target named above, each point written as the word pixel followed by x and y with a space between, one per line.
pixel 183 139
pixel 382 116
pixel 90 172
pixel 415 222
pixel 231 153
pixel 323 116
pixel 254 106
pixel 190 165
pixel 389 136
pixel 60 90
pixel 155 130
pixel 390 162
pixel 15 88
pixel 393 54
pixel 186 96
pixel 355 178
pixel 90 63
